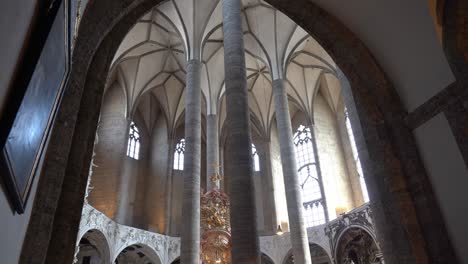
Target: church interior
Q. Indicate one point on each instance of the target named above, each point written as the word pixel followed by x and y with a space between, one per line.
pixel 234 131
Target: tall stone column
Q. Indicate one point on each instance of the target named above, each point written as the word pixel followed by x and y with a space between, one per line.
pixel 190 236
pixel 124 211
pixel 238 167
pixel 168 187
pixel 299 240
pixel 268 187
pixel 212 150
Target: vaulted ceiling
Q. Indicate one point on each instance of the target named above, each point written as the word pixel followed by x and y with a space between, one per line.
pixel 399 33
pixel 150 62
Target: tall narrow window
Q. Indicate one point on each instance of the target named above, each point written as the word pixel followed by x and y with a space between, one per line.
pixel 256 158
pixel 312 197
pixel 179 155
pixel 133 146
pixel 356 157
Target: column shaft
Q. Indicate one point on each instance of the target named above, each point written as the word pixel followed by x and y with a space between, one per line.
pixel 190 235
pixel 168 187
pixel 212 149
pixel 299 240
pixel 238 167
pixel 269 197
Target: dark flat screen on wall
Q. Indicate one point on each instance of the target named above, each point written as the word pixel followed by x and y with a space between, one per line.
pixel 26 141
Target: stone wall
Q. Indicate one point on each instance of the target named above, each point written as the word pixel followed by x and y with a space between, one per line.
pixel 332 162
pixel 110 151
pixel 278 181
pixel 358 197
pixel 159 161
pixel 117 177
pixel 264 188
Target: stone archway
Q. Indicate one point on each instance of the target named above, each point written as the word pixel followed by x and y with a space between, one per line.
pixel 265 259
pixel 317 253
pixel 400 191
pixel 93 248
pixel 137 254
pixel 357 246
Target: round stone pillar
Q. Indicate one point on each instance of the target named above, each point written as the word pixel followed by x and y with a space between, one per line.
pixel 212 150
pixel 299 240
pixel 190 235
pixel 238 166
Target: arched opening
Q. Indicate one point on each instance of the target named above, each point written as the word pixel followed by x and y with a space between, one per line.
pixel 373 112
pixel 137 254
pixel 317 253
pixel 265 259
pixel 93 248
pixel 357 246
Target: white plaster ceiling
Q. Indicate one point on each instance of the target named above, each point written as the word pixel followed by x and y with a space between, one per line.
pixel 399 33
pixel 150 62
pixel 153 55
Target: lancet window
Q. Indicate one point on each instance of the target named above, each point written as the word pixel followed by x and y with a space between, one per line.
pixel 312 196
pixel 133 146
pixel 356 157
pixel 256 158
pixel 179 155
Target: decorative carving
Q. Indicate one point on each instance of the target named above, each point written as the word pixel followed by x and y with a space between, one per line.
pixel 119 236
pixel 216 231
pixel 215 225
pixel 215 211
pixel 352 237
pixel 360 216
pixel 357 246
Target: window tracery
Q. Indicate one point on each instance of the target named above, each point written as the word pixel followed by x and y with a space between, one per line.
pixel 133 145
pixel 179 155
pixel 312 197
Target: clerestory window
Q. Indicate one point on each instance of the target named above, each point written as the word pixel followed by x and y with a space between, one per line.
pixel 356 157
pixel 312 197
pixel 179 155
pixel 256 158
pixel 133 146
